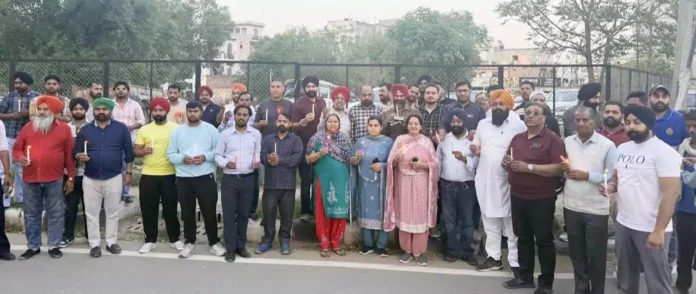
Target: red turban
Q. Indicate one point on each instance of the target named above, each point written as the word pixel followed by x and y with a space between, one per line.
pixel 239 86
pixel 53 103
pixel 399 88
pixel 207 89
pixel 161 102
pixel 341 90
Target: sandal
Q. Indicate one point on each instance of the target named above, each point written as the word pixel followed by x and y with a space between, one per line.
pixel 325 253
pixel 340 252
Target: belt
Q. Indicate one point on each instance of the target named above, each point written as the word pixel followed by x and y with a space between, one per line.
pixel 239 176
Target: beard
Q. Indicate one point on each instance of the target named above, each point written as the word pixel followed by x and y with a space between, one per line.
pixel 591 105
pixel 78 116
pixel 401 103
pixel 637 136
pixel 282 129
pixel 43 123
pixel 159 118
pixel 241 123
pixel 311 94
pixel 457 130
pixel 611 122
pixel 658 107
pixel 121 95
pixel 95 95
pixel 384 100
pixel 102 117
pixel 499 116
pixel 366 103
pixel 194 119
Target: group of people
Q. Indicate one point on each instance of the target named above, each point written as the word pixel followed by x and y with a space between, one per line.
pixel 410 163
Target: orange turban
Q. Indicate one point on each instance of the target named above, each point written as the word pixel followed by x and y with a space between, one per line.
pixel 341 90
pixel 399 88
pixel 503 96
pixel 239 86
pixel 53 103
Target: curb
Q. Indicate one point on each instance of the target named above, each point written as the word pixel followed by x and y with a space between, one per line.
pixel 15 216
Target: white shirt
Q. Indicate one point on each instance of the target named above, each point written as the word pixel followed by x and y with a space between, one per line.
pixel 639 166
pixel 451 168
pixel 593 156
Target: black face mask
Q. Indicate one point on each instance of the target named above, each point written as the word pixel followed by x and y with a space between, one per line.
pixel 611 122
pixel 457 130
pixel 282 129
pixel 499 116
pixel 637 136
pixel 311 94
pixel 589 104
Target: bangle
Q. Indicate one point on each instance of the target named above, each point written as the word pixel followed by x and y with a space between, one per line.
pixel 303 123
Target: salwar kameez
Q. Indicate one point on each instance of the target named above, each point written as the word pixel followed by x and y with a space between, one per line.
pixel 329 230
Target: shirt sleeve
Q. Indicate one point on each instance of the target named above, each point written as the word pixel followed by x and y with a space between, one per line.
pixel 140 138
pixel 173 154
pixel 266 149
pixel 220 150
pixel 260 113
pixel 668 164
pixel 19 146
pixel 296 114
pixel 5 104
pixel 127 144
pixel 597 177
pixel 296 156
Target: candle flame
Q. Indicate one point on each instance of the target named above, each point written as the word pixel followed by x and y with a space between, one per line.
pixel 606 171
pixel 28 146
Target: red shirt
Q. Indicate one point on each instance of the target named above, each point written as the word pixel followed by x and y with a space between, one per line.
pixel 619 137
pixel 49 154
pixel 544 148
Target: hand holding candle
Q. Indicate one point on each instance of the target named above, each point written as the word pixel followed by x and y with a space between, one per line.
pixel 29 154
pixel 512 158
pixel 564 160
pixel 275 148
pixel 606 180
pixel 85 148
pixel 152 143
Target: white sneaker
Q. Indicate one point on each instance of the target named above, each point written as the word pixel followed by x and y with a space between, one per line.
pixel 218 250
pixel 563 237
pixel 148 247
pixel 187 251
pixel 178 245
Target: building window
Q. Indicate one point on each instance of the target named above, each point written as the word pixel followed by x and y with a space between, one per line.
pixel 256 33
pixel 244 31
pixel 236 30
pixel 241 46
pixel 515 59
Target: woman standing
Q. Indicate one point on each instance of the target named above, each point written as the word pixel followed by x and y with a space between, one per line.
pixel 411 202
pixel 329 151
pixel 369 175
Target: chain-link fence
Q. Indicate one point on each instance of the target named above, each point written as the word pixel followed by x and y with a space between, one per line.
pixel 150 79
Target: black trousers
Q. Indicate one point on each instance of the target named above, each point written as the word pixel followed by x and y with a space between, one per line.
pixel 686 231
pixel 273 201
pixel 236 195
pixel 4 242
pixel 255 199
pixel 152 190
pixel 72 204
pixel 306 174
pixel 203 189
pixel 587 241
pixel 533 220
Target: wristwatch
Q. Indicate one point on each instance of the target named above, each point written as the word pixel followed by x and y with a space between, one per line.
pixel 530 167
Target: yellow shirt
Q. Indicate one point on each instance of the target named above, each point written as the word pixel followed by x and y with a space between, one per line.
pixel 156 164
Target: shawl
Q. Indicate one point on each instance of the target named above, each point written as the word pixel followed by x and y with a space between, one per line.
pixel 338 144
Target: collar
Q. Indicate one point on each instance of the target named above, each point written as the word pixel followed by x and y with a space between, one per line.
pixel 96 125
pixel 667 116
pixel 621 129
pixel 592 138
pixel 234 130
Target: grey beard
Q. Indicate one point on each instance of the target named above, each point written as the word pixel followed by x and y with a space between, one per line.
pixel 43 124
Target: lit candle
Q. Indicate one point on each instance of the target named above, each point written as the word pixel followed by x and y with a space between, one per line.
pixel 312 107
pixel 235 158
pixel 403 152
pixel 564 160
pixel 266 115
pixel 29 153
pixel 397 110
pixel 328 140
pixel 363 147
pixel 511 157
pixel 437 137
pixel 19 107
pixel 606 172
pixel 85 148
pixel 195 149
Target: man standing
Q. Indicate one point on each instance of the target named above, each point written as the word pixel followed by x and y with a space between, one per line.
pixel 192 151
pixel 274 106
pixel 52 86
pixel 128 112
pixel 637 98
pixel 96 91
pixel 533 184
pixel 394 118
pixel 474 112
pixel 359 114
pixel 43 174
pixel 686 209
pixel 244 99
pixel 177 113
pixel 158 179
pixel 210 109
pixel 647 179
pixel 228 105
pixel 78 109
pixel 237 152
pixel 588 96
pixel 586 212
pixel 423 81
pixel 526 89
pixel 430 111
pixel 493 135
pixel 457 170
pixel 340 97
pixel 281 153
pixel 14 111
pixel 304 123
pixel 613 127
pixel 413 95
pixel 385 94
pixel 5 253
pixel 107 141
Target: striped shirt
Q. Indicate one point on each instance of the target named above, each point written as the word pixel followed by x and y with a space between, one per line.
pixel 358 116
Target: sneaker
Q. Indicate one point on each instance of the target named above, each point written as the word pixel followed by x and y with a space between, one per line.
pixel 263 248
pixel 382 252
pixel 518 283
pixel 450 258
pixel 147 247
pixel 421 260
pixel 29 254
pixel 113 249
pixel 95 252
pixel 406 257
pixel 188 250
pixel 218 250
pixel 178 245
pixel 55 253
pixel 490 265
pixel 470 260
pixel 563 237
pixel 365 250
pixel 7 256
pixel 543 290
pixel 285 248
pixel 65 243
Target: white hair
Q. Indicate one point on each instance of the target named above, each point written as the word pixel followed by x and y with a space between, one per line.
pixel 43 123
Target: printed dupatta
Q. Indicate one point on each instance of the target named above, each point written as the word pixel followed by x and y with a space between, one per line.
pixel 373 148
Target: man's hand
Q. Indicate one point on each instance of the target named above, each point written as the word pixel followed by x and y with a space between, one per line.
pixel 476 150
pixel 8 179
pixel 231 165
pixel 656 241
pixel 359 155
pixel 459 156
pixel 227 117
pixel 69 186
pixel 323 151
pixel 507 160
pixel 471 135
pixel 309 117
pixel 262 124
pixel 577 175
pixel 377 167
pixel 24 162
pixel 82 157
pixel 606 191
pixel 435 140
pixel 565 166
pixel 199 159
pixel 127 179
pixel 273 159
pixel 188 160
pixel 147 151
pixel 325 112
pixel 519 166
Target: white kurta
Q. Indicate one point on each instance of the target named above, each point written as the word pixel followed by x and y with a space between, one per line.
pixel 492 187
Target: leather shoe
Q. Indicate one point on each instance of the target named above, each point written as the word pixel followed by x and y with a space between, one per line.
pixel 7 256
pixel 29 254
pixel 243 253
pixel 95 252
pixel 55 253
pixel 114 249
pixel 230 256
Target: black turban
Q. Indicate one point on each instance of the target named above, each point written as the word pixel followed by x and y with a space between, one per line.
pixel 589 91
pixel 310 79
pixel 24 77
pixel 461 114
pixel 644 114
pixel 81 101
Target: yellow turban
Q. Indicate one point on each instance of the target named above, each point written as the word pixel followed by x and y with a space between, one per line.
pixel 503 96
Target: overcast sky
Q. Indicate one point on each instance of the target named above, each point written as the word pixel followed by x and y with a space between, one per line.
pixel 278 15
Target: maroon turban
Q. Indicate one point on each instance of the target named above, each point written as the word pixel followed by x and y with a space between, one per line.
pixel 207 89
pixel 341 90
pixel 161 102
pixel 400 88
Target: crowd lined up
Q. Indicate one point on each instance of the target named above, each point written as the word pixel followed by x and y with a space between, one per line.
pixel 427 166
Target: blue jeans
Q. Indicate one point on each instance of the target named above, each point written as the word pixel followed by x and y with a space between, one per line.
pixel 18 189
pixel 36 195
pixel 369 240
pixel 126 188
pixel 458 216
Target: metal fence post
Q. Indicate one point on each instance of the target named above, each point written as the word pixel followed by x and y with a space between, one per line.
pixel 152 73
pixel 630 80
pixel 397 74
pixel 105 79
pixel 501 77
pixel 347 85
pixel 197 80
pixel 248 76
pixel 297 80
pixel 608 82
pixel 553 89
pixel 13 70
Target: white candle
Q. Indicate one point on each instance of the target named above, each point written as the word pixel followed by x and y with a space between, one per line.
pixel 266 115
pixel 29 153
pixel 605 179
pixel 235 157
pixel 275 148
pixel 195 149
pixel 152 143
pixel 437 137
pixel 19 107
pixel 312 107
pixel 511 158
pixel 85 148
pixel 397 110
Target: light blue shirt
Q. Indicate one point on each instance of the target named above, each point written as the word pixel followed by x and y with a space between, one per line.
pixel 597 177
pixel 243 147
pixel 193 141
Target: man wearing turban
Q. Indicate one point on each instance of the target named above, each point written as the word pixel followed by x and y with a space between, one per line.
pixel 589 96
pixel 340 97
pixel 237 90
pixel 52 86
pixel 158 180
pixel 44 150
pixel 394 118
pixel 493 136
pixel 14 110
pixel 210 109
